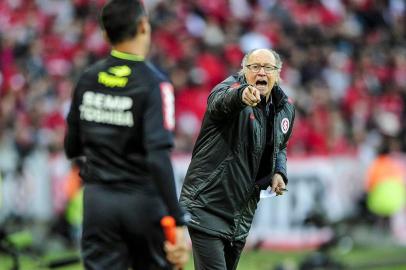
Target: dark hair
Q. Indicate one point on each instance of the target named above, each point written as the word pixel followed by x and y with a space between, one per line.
pixel 119 19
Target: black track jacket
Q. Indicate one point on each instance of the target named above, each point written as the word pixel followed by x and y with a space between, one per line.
pixel 219 190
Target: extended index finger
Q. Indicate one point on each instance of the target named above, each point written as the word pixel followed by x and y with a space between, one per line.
pixel 255 92
pixel 251 89
pixel 249 98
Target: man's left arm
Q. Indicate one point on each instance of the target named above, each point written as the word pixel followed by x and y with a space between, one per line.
pixel 280 163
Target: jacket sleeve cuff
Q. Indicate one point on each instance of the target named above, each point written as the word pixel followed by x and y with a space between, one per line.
pixel 240 90
pixel 183 219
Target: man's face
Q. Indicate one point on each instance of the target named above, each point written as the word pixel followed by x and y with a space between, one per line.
pixel 261 71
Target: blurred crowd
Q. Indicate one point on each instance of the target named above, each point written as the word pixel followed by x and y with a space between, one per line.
pixel 344 66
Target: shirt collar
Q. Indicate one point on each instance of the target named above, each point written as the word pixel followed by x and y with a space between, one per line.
pixel 127 56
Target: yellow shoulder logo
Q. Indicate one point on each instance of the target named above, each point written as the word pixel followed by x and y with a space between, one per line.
pixel 120 71
pixel 118 79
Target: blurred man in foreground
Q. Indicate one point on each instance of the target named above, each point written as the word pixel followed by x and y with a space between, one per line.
pixel 121 121
pixel 240 150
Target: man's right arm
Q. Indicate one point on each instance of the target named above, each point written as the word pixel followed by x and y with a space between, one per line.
pixel 225 99
pixel 72 143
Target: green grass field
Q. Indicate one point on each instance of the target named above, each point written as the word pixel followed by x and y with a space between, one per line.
pixel 266 259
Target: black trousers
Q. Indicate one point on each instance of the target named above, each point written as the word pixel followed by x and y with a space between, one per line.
pixel 214 253
pixel 121 229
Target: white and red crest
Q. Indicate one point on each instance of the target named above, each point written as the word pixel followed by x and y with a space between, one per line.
pixel 285 125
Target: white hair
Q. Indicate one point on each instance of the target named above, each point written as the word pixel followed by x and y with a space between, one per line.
pixel 278 62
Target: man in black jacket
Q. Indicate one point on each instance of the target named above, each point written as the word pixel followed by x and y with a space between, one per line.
pixel 240 150
pixel 121 120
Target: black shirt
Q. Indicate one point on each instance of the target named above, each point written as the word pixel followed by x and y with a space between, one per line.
pixel 263 178
pixel 121 119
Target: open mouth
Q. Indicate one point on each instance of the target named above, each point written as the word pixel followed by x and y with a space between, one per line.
pixel 261 83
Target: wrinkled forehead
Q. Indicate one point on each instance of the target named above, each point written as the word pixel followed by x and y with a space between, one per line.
pixel 262 57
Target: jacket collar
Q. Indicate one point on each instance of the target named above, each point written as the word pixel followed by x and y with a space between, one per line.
pixel 279 98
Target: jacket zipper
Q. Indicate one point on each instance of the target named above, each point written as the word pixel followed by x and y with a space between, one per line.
pixel 263 137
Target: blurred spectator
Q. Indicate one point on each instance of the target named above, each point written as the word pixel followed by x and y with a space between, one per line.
pixel 385 187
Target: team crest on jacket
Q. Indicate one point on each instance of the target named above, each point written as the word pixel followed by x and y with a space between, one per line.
pixel 285 125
